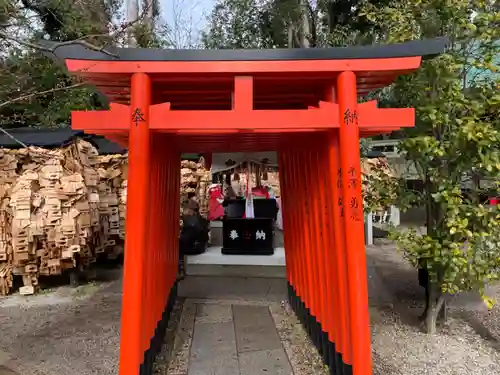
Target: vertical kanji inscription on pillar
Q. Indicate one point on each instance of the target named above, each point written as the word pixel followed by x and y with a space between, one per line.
pixel 350 116
pixel 353 178
pixel 356 205
pixel 359 323
pixel 137 116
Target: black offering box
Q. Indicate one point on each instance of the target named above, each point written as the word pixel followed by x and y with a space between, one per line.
pixel 249 236
pixel 263 208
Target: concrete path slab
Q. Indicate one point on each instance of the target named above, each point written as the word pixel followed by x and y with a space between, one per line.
pixel 214 313
pixel 213 349
pixel 214 366
pixel 265 362
pixel 234 339
pixel 213 340
pixel 255 329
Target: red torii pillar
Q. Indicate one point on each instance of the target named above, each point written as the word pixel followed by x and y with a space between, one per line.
pixel 326 280
pixel 323 280
pixel 353 219
pixel 137 234
pixel 150 272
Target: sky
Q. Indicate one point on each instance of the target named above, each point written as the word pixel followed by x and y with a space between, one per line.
pixel 186 12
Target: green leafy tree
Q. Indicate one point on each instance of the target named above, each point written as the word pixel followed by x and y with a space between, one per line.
pixel 455 145
pixel 238 24
pixel 34 90
pixel 288 24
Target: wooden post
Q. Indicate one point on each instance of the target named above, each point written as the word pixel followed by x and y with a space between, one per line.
pixel 310 196
pixel 287 230
pixel 339 250
pixel 136 237
pixel 316 195
pixel 156 290
pixel 359 322
pixel 303 231
pixel 164 241
pixel 369 229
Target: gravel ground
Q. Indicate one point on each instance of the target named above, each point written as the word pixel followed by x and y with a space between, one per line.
pixel 64 331
pixel 175 334
pixel 467 344
pixel 69 331
pixel 403 349
pixel 302 354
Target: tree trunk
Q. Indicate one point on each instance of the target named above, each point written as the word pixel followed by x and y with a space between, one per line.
pixel 149 14
pixel 290 36
pixel 305 29
pixel 434 212
pixel 132 7
pixel 435 310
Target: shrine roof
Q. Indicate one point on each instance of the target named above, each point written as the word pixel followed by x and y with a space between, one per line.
pixel 429 47
pixel 54 138
pixel 204 79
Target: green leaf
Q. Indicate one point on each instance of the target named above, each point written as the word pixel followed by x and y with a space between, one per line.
pixel 490 302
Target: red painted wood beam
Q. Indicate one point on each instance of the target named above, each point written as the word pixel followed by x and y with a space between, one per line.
pixel 161 117
pixel 207 132
pixel 117 117
pixel 242 100
pixel 219 144
pixel 230 132
pixel 225 80
pixel 373 118
pixel 395 64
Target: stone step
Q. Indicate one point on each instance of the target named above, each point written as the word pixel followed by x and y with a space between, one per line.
pixel 213 263
pixel 236 271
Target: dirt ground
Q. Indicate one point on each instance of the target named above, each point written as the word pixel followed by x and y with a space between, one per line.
pixel 62 331
pixel 67 331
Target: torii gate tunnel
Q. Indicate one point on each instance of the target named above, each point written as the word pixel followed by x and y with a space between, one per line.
pixel 302 103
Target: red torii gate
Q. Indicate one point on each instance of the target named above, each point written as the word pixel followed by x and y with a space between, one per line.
pixel 302 103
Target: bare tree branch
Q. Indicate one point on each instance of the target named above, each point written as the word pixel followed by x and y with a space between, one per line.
pixel 183 25
pixel 83 41
pixel 10 34
pixel 39 47
pixel 38 93
pixel 13 138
